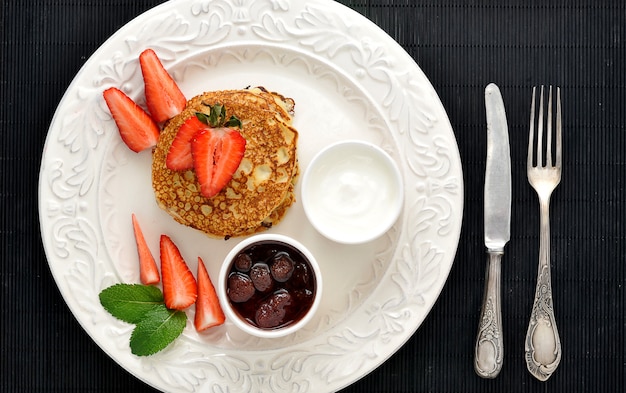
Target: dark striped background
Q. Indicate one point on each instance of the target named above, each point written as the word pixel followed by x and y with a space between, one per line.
pixel 461 45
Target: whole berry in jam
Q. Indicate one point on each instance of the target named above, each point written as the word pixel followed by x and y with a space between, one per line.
pixel 261 277
pixel 243 262
pixel 282 267
pixel 271 313
pixel 240 288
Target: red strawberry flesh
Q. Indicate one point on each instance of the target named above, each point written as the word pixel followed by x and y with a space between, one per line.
pixel 208 310
pixel 217 153
pixel 179 286
pixel 136 127
pixel 148 271
pixel 163 96
pixel 179 156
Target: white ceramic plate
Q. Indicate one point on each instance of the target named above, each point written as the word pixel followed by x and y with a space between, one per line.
pixel 350 81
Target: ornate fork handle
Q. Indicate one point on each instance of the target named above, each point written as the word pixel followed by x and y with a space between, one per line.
pixel 543 345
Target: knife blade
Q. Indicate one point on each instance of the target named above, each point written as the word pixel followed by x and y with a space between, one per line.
pixel 489 350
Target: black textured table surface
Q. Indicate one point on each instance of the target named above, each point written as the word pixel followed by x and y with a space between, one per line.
pixel 461 46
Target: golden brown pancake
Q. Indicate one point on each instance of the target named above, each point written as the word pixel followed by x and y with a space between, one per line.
pixel 261 189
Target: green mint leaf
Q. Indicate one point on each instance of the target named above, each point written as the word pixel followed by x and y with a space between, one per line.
pixel 130 302
pixel 157 330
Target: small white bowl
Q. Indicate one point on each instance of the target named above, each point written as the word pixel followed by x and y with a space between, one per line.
pixel 352 192
pixel 230 308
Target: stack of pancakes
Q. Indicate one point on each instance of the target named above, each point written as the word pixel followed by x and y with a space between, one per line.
pixel 262 187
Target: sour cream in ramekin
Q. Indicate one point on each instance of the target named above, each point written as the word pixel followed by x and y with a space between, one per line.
pixel 352 192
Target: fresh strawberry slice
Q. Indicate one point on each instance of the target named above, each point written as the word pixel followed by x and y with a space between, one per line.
pixel 217 152
pixel 208 310
pixel 163 97
pixel 148 271
pixel 179 155
pixel 179 286
pixel 136 127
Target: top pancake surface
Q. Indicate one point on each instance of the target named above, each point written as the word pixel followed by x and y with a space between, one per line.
pixel 262 183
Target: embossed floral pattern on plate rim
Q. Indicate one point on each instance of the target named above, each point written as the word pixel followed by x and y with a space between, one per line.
pixel 359 68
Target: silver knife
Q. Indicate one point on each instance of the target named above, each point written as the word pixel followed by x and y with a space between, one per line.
pixel 489 351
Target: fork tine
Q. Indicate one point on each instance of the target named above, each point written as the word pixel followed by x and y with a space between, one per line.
pixel 558 127
pixel 549 130
pixel 540 131
pixel 529 161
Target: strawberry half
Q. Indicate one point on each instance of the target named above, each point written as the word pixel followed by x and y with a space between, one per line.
pixel 179 156
pixel 136 127
pixel 208 310
pixel 163 97
pixel 179 286
pixel 148 271
pixel 217 153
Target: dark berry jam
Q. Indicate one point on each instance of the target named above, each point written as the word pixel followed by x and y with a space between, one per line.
pixel 271 284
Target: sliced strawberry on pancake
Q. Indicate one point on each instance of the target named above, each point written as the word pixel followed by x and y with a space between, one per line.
pixel 179 156
pixel 217 153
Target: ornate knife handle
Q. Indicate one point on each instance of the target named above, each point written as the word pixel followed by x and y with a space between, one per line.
pixel 543 344
pixel 489 352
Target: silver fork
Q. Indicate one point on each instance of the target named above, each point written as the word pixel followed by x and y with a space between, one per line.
pixel 543 345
